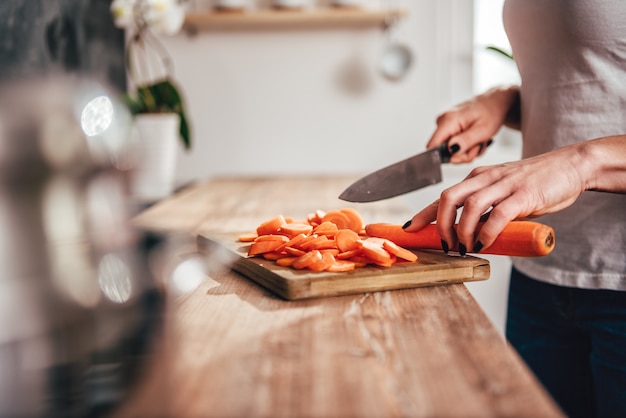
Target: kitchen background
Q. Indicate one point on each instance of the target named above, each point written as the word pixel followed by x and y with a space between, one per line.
pixel 307 101
pixel 257 95
pixel 273 101
pixel 295 100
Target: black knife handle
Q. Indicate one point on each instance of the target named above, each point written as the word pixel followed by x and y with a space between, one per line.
pixel 444 153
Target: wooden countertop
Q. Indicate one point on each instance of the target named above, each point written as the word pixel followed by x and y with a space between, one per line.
pixel 233 349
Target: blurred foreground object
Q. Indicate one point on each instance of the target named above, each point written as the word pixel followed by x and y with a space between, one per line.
pixel 78 303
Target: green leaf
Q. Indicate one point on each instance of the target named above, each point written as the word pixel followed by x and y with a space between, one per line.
pixel 185 133
pixel 134 106
pixel 166 96
pixel 500 51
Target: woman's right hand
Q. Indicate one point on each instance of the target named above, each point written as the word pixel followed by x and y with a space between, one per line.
pixel 469 127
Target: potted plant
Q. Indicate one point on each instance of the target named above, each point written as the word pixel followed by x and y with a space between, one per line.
pixel 156 102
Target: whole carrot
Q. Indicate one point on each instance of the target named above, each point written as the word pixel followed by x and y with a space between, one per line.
pixel 519 238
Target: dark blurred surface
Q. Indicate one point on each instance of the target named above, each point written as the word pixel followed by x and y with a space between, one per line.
pixel 38 37
pixel 80 304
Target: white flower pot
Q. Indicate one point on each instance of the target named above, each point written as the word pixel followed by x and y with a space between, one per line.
pixel 157 139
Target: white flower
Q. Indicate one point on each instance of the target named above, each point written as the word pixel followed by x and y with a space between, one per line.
pixel 124 13
pixel 162 16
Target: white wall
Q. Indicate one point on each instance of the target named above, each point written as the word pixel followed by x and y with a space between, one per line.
pixel 291 101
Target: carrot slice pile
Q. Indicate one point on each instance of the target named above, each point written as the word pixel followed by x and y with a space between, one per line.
pixel 333 241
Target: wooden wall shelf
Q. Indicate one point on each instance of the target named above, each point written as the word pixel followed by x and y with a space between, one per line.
pixel 276 19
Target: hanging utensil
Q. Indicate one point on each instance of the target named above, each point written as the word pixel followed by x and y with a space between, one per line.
pixel 396 58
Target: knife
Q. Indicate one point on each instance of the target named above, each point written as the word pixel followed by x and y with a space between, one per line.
pixel 415 172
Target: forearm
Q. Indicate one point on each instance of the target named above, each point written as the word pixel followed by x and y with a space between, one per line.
pixel 504 103
pixel 513 118
pixel 603 163
pixel 508 103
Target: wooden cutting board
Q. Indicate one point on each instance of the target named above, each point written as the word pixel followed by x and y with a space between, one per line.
pixel 432 268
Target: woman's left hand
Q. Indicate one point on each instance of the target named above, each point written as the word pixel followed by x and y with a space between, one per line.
pixel 528 188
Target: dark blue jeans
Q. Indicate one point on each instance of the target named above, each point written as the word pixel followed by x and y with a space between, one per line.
pixel 574 340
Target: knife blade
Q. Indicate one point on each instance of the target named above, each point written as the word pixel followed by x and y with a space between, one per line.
pixel 413 173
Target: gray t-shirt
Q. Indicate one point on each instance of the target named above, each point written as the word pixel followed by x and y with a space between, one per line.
pixel 572 60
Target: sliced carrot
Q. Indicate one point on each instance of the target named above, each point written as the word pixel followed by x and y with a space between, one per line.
pixel 386 263
pixel 360 261
pixel 326 228
pixel 286 261
pixel 247 237
pixel 398 251
pixel 355 221
pixel 272 237
pixel 293 242
pixel 317 243
pixel 261 247
pixel 307 259
pixel 294 251
pixel 271 226
pixel 273 256
pixel 341 266
pixel 325 262
pixel 293 229
pixel 323 244
pixel 347 240
pixel 375 240
pixel 348 254
pixel 302 244
pixel 333 251
pixel 375 252
pixel 338 218
pixel 315 218
pixel 312 223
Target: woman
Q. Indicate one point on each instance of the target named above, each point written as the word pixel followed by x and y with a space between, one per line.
pixel 567 311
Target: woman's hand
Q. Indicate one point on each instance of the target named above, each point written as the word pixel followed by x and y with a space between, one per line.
pixel 531 187
pixel 469 127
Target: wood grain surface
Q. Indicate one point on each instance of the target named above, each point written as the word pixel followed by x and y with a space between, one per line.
pixel 234 349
